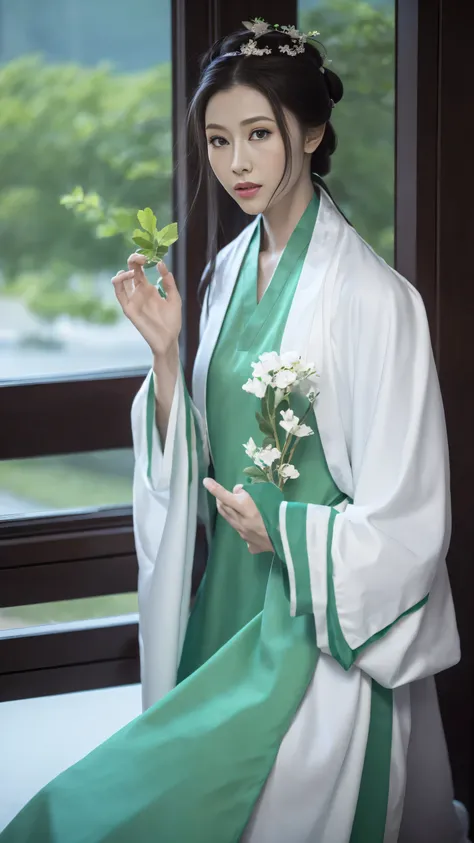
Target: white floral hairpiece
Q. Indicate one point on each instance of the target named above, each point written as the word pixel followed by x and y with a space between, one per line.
pixel 250 49
pixel 259 27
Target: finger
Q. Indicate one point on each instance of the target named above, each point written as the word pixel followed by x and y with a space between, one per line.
pixel 237 488
pixel 220 493
pixel 119 286
pixel 167 278
pixel 137 262
pixel 230 516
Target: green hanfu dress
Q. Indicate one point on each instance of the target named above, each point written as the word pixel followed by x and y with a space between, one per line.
pixel 192 767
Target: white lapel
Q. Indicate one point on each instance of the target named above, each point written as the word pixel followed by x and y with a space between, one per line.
pixel 223 284
pixel 308 328
pixel 308 331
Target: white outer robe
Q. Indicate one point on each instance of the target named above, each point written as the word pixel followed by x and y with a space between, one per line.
pixel 381 424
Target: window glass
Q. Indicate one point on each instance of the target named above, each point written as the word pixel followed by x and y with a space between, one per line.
pixel 67 611
pixel 86 480
pixel 81 106
pixel 359 37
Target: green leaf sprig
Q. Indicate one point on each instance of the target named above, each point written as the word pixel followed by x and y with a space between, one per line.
pixel 151 242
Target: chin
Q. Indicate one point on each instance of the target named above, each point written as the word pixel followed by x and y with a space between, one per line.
pixel 252 207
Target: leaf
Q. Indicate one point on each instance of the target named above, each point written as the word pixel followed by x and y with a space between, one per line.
pixel 144 235
pixel 265 407
pixel 147 220
pixel 144 244
pixel 264 425
pixel 270 401
pixel 168 235
pixel 257 475
pixel 159 252
pixel 269 440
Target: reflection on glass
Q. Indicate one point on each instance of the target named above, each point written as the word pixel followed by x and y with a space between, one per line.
pixel 79 108
pixel 66 611
pixel 71 482
pixel 359 37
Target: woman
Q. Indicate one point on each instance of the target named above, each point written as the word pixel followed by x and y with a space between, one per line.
pixel 298 704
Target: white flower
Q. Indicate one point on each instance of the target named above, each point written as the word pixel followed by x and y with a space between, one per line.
pixel 291 424
pixel 293 32
pixel 290 359
pixel 279 395
pixel 307 383
pixel 290 421
pixel 251 49
pixel 302 430
pixel 268 455
pixel 258 27
pixel 288 472
pixel 311 396
pixel 291 51
pixel 250 448
pixel 270 361
pixel 260 371
pixel 255 387
pixel 284 378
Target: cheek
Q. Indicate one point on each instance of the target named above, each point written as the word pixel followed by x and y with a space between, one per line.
pixel 217 162
pixel 272 158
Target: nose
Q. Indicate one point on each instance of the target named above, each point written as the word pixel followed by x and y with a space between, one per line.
pixel 241 162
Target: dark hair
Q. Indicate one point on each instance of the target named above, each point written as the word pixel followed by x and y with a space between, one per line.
pixel 298 83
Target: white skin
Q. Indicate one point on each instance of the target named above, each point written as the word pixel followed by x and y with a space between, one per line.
pixel 238 151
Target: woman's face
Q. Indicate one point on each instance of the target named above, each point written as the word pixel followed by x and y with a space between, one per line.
pixel 245 147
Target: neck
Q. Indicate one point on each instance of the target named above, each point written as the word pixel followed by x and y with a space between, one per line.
pixel 280 220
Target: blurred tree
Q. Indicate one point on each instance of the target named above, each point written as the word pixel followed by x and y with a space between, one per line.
pixel 360 42
pixel 61 126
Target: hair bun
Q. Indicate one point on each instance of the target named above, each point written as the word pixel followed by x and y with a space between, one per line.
pixel 334 85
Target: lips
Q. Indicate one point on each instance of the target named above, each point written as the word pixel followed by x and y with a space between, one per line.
pixel 247 189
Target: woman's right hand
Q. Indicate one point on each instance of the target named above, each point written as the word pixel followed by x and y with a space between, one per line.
pixel 158 319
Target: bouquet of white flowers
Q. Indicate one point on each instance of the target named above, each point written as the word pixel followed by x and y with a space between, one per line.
pixel 275 377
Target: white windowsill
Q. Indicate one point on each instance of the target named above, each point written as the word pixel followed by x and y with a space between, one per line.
pixel 40 737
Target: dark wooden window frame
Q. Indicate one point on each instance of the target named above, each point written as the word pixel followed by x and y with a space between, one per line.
pixel 434 220
pixel 70 556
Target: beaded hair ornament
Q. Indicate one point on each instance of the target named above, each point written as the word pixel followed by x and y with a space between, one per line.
pixel 260 27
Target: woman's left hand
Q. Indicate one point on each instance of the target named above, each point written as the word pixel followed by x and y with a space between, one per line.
pixel 238 508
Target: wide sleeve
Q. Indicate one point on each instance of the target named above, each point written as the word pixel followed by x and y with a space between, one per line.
pixel 372 569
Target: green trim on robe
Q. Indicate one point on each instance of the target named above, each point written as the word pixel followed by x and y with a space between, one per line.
pixel 371 811
pixel 296 534
pixel 189 423
pixel 338 645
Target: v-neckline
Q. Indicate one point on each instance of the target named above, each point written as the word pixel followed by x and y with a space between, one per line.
pixel 255 314
pixel 259 301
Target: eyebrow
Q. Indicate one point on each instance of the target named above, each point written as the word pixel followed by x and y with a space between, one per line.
pixel 243 123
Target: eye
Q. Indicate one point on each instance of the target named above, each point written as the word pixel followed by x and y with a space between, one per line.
pixel 212 140
pixel 263 133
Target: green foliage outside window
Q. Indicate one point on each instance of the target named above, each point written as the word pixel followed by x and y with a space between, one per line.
pixel 360 42
pixel 64 125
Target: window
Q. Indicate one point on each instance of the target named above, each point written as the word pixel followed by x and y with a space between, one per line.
pixel 60 483
pixel 80 110
pixel 359 37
